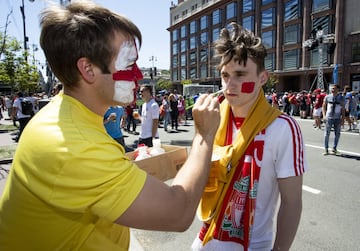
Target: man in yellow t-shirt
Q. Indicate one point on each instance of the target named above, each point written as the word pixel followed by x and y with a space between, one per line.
pixel 71 187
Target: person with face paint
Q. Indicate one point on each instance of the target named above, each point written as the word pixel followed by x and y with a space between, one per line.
pixel 260 156
pixel 71 186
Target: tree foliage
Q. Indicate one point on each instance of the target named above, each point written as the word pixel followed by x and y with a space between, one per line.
pixel 271 83
pixel 15 70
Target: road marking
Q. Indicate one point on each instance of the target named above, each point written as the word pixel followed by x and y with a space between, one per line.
pixel 341 151
pixel 310 189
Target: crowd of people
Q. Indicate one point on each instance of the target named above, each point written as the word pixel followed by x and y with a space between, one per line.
pixel 308 105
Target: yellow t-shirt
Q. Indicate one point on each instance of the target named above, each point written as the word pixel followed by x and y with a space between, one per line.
pixel 68 183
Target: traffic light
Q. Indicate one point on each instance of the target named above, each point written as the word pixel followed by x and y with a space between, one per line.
pixel 155 73
pixel 151 73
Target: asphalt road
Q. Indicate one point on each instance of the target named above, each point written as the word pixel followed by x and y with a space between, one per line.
pixel 331 200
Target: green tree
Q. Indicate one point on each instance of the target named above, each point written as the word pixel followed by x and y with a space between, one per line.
pixel 271 82
pixel 15 71
pixel 163 84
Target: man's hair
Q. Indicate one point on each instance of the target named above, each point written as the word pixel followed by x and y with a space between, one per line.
pixel 239 44
pixel 147 87
pixel 81 29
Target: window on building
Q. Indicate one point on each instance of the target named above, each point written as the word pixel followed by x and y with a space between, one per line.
pixel 215 34
pixel 183 31
pixel 203 55
pixel 230 10
pixel 175 48
pixel 248 23
pixel 193 58
pixel 270 62
pixel 291 34
pixel 248 5
pixel 192 42
pixel 203 71
pixel 291 59
pixel 183 73
pixel 268 39
pixel 204 38
pixel 216 17
pixel 175 62
pixel 292 10
pixel 267 1
pixel 323 22
pixel 355 52
pixel 193 72
pixel 183 46
pixel 174 74
pixel 320 5
pixel 267 18
pixel 193 27
pixel 175 35
pixel 183 60
pixel 185 12
pixel 204 22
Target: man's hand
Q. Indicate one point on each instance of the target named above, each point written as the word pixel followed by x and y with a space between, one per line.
pixel 206 115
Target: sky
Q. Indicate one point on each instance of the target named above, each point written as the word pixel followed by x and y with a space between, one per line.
pixel 152 18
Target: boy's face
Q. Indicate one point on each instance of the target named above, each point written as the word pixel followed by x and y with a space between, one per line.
pixel 242 84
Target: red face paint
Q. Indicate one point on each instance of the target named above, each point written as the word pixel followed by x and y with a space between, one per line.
pixel 247 87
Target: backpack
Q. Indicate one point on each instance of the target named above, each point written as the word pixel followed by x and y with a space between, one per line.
pixel 26 107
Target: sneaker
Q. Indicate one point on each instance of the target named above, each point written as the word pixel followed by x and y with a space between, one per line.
pixel 326 152
pixel 336 152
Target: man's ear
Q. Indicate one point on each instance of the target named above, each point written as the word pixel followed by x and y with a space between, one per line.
pixel 86 69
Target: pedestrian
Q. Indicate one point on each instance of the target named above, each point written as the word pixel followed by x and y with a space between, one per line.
pixel 349 107
pixel 174 112
pixel 334 115
pixel 319 99
pixel 130 120
pixel 114 120
pixel 149 117
pixel 166 108
pixel 71 187
pixel 255 165
pixel 17 114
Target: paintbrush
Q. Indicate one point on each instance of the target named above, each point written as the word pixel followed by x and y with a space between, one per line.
pixel 214 94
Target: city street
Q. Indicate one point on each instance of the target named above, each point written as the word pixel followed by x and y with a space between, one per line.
pixel 331 201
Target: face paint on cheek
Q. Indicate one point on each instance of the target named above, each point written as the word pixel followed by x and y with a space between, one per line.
pixel 124 91
pixel 247 87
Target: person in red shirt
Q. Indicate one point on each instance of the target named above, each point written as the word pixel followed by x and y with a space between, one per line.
pixel 319 99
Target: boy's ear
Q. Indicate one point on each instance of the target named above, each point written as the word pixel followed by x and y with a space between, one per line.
pixel 86 70
pixel 264 76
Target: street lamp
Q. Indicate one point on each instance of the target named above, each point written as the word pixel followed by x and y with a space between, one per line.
pixel 317 41
pixel 22 9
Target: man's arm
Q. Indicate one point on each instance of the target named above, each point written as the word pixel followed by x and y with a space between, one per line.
pixel 172 208
pixel 324 108
pixel 155 125
pixel 289 212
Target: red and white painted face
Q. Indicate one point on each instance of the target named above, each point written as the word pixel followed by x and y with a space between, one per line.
pixel 241 84
pixel 127 73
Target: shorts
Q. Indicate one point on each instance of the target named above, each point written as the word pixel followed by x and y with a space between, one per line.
pixel 317 112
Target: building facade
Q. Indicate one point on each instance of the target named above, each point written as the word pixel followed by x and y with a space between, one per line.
pixel 285 26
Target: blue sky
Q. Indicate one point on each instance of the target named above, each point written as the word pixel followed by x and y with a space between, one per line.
pixel 152 17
